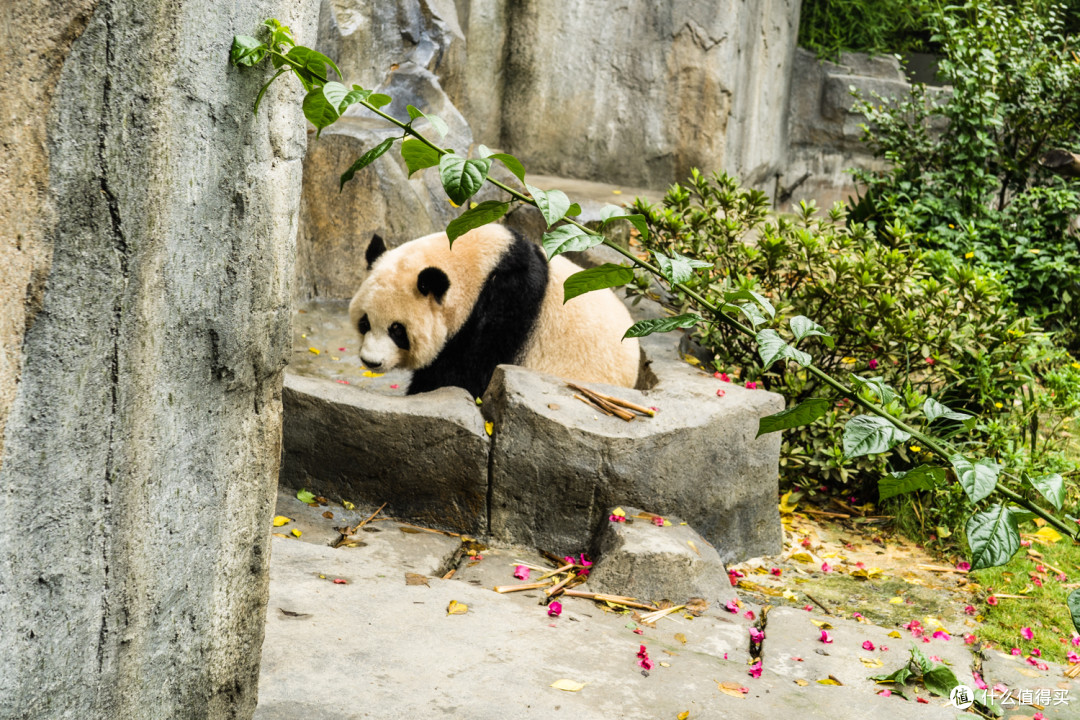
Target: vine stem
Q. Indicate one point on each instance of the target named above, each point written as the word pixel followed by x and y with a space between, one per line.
pixel 943 450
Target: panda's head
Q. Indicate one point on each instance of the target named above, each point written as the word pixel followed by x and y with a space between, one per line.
pixel 399 309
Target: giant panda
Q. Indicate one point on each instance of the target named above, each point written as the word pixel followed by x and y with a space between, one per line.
pixel 452 314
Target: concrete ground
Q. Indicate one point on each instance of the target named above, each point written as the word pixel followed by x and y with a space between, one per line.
pixel 364 632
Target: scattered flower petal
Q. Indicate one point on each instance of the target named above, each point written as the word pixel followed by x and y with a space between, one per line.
pixel 751 385
pixel 776 572
pixel 1027 633
pixel 749 614
pixel 970 609
pixel 521 572
pixel 941 635
pixel 755 670
pixel 555 608
pixel 825 637
pixel 885 693
pixel 872 364
pixel 825 568
pixel 963 566
pixel 732 606
pixel 867 645
pixel 756 635
pixel 969 639
pixel 991 601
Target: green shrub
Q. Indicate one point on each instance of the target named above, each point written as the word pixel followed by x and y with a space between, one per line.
pixel 830 27
pixel 925 324
pixel 964 174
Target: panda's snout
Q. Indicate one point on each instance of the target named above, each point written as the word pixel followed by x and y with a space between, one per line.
pixel 370 363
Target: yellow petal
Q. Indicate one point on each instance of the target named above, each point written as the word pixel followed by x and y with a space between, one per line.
pixel 895 634
pixel 896 601
pixel 785 507
pixel 314 351
pixel 822 624
pixel 681 638
pixel 280 520
pixel 567 685
pixel 296 533
pixel 803 557
pixel 683 715
pixel 456 608
pixel 619 511
pixel 788 595
pixel 693 546
pixel 828 681
pixel 368 373
pixel 871 663
pixel 489 427
pixel 1048 535
pixel 347 505
pixel 800 682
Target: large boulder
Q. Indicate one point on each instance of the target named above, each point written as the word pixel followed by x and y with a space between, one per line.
pixel 558 465
pixel 145 294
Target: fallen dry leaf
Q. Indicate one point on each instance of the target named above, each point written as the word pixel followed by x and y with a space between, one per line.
pixel 567 685
pixel 822 624
pixel 696 606
pixel 693 546
pixel 416 579
pixel 328 515
pixel 681 638
pixel 456 608
pixel 871 663
pixel 290 613
pixel 683 715
pixel 731 688
pixel 800 682
pixel 829 681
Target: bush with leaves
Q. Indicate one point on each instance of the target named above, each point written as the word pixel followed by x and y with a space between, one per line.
pixel 919 321
pixel 964 173
pixel 830 27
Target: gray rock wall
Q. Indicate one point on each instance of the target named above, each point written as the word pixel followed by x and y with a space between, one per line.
pixel 634 93
pixel 151 271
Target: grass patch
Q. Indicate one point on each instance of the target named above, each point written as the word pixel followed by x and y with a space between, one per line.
pixel 1043 609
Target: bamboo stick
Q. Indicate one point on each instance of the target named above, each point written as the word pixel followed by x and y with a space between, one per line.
pixel 516 588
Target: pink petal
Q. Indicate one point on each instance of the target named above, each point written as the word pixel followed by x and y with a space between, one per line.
pixel 1016 652
pixel 924 701
pixel 825 637
pixel 808 608
pixel 885 693
pixel 732 606
pixel 969 639
pixel 616 518
pixel 646 663
pixel 394 387
pixel 756 636
pixel 1036 652
pixel 776 572
pixel 979 682
pixel 941 635
pixel 825 568
pixel 1027 633
pixel 751 385
pixel 642 652
pixel 749 614
pixel 1040 568
pixel 721 393
pixel 991 600
pixel 867 645
pixel 755 670
pixel 1000 688
pixel 639 631
pixel 963 566
pixel 555 608
pixel 970 609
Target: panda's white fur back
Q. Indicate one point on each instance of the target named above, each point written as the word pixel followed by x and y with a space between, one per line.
pixel 582 339
pixel 579 340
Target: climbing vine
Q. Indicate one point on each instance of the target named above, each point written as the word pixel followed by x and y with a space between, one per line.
pixel 993 529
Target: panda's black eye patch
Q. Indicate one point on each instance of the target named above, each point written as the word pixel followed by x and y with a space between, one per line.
pixel 399 335
pixel 364 326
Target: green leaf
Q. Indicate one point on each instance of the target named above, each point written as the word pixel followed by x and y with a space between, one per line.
pixel 1051 487
pixel 311 65
pixel 568 238
pixel 802 326
pixel 437 123
pixel 321 104
pixel 923 477
pixel 993 537
pixel 553 204
pixel 751 295
pixel 418 155
pixel 772 347
pixel 246 51
pixel 750 310
pixel 1073 602
pixel 378 100
pixel 899 677
pixel 364 160
pixel 305 497
pixel 603 276
pixel 678 269
pixel 461 178
pixel 610 212
pixel 804 413
pixel 574 210
pixel 921 661
pixel 486 212
pixel 512 163
pixel 885 393
pixel 648 327
pixel 933 410
pixel 940 680
pixel 868 434
pixel 613 213
pixel 978 479
pixel 352 97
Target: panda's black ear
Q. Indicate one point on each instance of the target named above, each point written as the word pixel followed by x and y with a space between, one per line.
pixel 433 281
pixel 375 248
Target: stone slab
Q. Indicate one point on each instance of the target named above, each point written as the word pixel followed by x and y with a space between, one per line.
pixel 425 455
pixel 558 465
